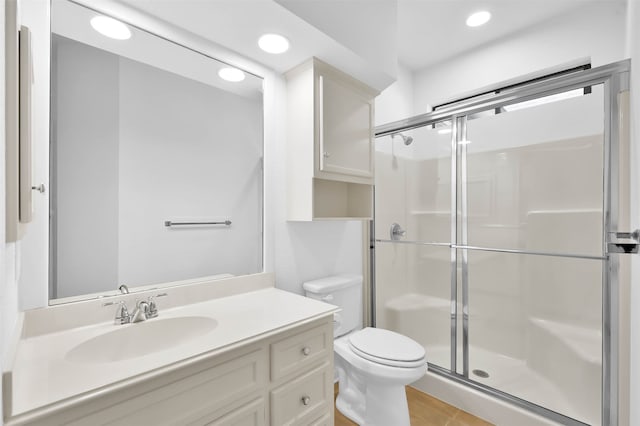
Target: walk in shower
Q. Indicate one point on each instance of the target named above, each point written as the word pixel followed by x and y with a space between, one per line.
pixel 496 238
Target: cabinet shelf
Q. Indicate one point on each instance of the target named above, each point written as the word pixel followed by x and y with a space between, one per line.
pixel 341 200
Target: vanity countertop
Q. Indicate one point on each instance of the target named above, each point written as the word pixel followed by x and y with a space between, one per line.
pixel 42 377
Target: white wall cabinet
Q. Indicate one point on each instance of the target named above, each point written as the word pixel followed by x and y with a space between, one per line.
pixel 330 152
pixel 285 379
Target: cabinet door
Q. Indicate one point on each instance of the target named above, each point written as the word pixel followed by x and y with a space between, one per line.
pixel 345 127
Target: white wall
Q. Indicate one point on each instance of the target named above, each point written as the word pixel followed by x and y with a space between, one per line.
pixel 633 51
pixel 33 271
pixel 595 31
pixel 396 101
pixel 366 27
pixel 8 282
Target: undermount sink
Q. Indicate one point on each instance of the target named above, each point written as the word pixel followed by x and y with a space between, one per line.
pixel 144 338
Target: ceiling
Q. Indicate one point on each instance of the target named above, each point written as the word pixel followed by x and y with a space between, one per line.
pixel 431 31
pixel 237 25
pixel 426 31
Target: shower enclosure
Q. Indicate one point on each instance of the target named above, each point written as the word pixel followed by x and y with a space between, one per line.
pixel 497 229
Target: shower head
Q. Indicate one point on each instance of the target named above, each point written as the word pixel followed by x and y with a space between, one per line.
pixel 406 139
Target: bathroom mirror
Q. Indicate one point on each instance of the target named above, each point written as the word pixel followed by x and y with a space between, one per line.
pixel 155 160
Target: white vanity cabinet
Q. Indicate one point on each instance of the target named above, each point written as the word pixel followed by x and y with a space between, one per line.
pixel 283 379
pixel 330 152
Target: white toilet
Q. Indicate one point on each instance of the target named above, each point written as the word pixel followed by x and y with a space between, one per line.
pixel 373 365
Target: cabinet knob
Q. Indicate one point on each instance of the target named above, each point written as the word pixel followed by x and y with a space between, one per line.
pixel 306 350
pixel 326 154
pixel 306 400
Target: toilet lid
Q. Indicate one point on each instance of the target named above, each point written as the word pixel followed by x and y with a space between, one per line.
pixel 387 347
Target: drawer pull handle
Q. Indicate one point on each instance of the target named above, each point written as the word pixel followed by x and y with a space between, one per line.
pixel 306 400
pixel 306 351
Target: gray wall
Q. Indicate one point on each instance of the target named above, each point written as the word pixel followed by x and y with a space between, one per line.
pixel 187 151
pixel 85 141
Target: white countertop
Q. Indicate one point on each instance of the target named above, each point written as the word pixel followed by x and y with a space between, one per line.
pixel 41 376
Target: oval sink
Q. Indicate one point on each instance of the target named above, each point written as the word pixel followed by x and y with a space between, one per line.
pixel 144 338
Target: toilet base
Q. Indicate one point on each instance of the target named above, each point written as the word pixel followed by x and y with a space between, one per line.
pixel 371 394
pixel 382 406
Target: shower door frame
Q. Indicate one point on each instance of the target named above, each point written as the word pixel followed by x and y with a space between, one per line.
pixel 615 80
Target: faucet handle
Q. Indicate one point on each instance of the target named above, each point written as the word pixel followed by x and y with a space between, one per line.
pixel 153 308
pixel 141 313
pixel 122 314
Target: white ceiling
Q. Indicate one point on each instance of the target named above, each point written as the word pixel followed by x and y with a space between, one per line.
pixel 237 25
pixel 431 31
pixel 427 31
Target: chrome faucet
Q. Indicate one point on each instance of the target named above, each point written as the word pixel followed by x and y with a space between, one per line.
pixel 145 309
pixel 141 312
pixel 123 289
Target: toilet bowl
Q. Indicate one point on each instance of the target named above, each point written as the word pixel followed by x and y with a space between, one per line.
pixel 372 365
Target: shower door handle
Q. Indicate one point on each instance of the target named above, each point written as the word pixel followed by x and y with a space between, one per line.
pixel 628 247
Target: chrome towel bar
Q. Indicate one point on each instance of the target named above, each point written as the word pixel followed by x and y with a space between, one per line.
pixel 169 223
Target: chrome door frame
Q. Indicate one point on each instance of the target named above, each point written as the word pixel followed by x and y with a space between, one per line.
pixel 615 79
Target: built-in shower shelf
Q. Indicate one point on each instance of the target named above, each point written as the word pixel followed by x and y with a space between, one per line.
pixel 585 343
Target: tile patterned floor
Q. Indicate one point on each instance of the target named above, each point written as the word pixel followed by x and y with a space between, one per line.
pixel 426 410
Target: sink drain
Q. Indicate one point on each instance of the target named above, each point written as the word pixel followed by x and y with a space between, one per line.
pixel 481 373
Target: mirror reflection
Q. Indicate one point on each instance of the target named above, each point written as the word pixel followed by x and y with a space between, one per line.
pixel 155 160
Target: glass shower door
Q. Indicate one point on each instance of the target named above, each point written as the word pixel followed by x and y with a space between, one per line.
pixel 531 250
pixel 413 264
pixel 509 271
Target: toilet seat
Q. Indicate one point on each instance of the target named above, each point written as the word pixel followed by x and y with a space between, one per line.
pixel 387 348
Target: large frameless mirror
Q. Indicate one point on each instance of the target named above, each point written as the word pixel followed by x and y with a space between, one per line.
pixel 155 161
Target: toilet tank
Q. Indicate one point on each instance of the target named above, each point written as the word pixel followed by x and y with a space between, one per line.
pixel 344 291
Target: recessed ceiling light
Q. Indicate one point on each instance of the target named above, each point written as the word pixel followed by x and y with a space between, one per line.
pixel 478 18
pixel 231 74
pixel 273 43
pixel 110 27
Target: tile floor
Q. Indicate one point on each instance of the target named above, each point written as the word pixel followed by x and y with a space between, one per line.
pixel 426 410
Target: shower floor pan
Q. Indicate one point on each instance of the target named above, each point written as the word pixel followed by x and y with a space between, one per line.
pixel 515 377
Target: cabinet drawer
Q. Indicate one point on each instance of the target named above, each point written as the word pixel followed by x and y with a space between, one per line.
pixel 250 415
pixel 202 391
pixel 323 421
pixel 301 400
pixel 297 352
